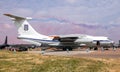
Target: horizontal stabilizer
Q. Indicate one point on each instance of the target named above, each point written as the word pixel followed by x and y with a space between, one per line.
pixel 17 17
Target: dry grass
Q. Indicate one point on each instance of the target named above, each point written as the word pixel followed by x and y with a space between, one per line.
pixel 25 62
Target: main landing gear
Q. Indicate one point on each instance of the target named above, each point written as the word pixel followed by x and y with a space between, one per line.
pixel 67 48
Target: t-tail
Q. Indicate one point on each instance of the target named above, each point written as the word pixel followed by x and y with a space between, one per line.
pixel 26 31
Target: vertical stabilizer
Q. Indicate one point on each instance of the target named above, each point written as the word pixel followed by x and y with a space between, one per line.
pixel 25 30
pixel 6 41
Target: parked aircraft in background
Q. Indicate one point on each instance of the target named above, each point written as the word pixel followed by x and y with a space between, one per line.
pixel 5 44
pixel 21 47
pixel 18 47
pixel 27 33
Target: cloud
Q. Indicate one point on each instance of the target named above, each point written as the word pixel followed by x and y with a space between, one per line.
pixel 7 26
pixel 78 11
pixel 98 13
pixel 71 1
pixel 22 11
pixel 116 21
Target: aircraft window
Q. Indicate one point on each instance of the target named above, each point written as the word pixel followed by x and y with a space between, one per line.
pixel 105 41
pixel 94 40
pixel 101 40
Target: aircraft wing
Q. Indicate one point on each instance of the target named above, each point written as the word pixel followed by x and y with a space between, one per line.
pixel 65 38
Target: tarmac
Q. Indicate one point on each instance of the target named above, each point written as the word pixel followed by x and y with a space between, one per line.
pixel 83 53
pixel 61 53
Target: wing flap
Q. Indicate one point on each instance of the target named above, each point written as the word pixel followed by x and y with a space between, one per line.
pixel 68 39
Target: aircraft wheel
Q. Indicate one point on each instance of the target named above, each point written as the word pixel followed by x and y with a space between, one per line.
pixel 64 49
pixel 96 48
pixel 70 48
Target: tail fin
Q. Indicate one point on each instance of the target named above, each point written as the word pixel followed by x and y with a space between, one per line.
pixel 25 30
pixel 6 41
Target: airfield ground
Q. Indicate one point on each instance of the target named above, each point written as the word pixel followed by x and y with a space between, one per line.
pixel 60 61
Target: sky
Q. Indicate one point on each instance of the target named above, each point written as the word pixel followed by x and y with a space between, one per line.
pixel 56 17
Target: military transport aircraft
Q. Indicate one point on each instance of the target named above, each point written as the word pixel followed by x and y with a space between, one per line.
pixel 27 33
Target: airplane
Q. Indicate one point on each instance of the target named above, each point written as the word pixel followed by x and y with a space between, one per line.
pixel 27 33
pixel 18 47
pixel 5 44
pixel 21 47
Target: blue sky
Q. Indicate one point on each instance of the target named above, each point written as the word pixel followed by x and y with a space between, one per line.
pixel 61 13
